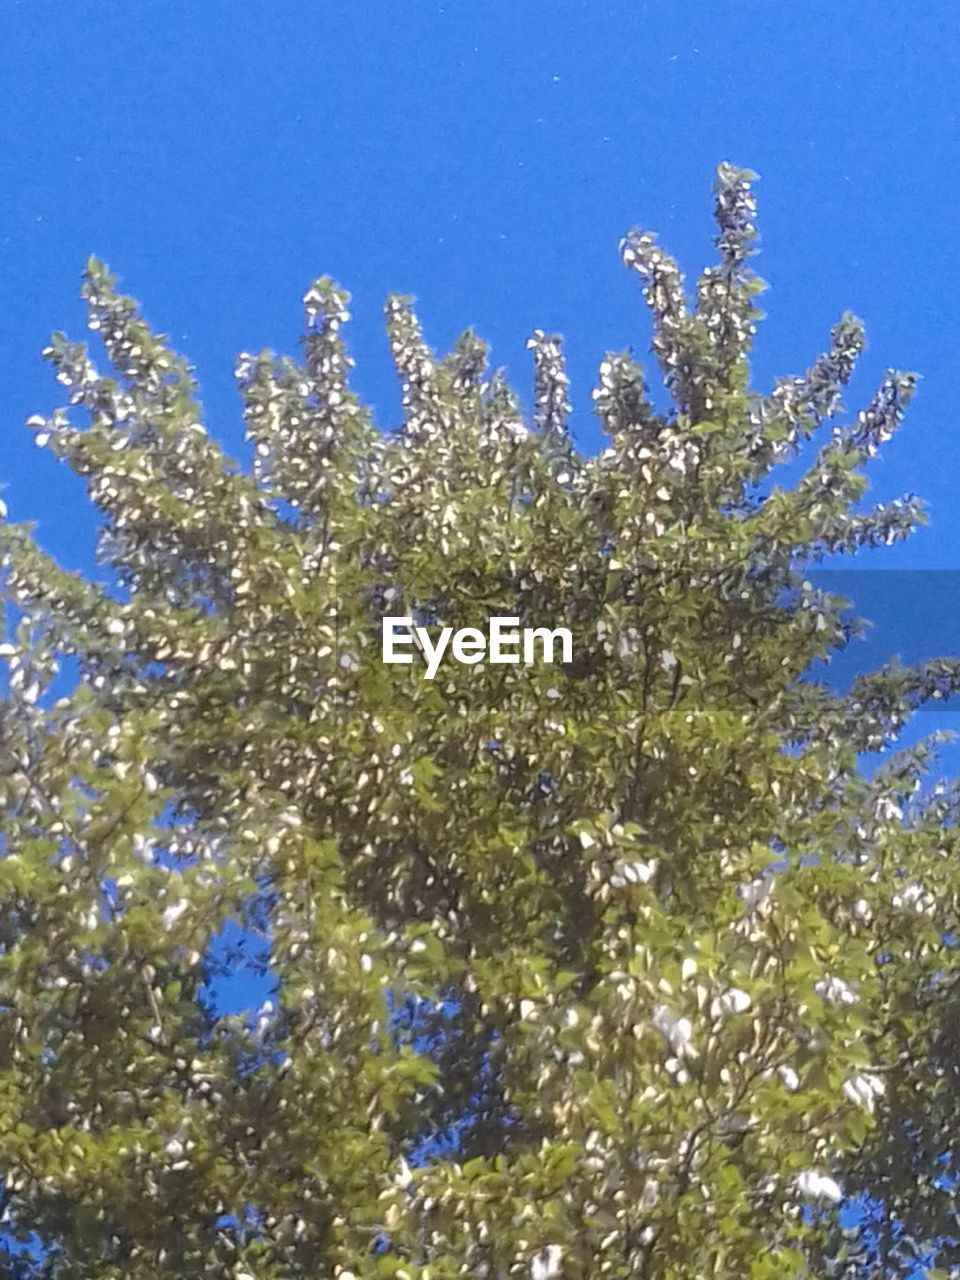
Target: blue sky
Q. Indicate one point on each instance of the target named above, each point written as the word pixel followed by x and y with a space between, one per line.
pixel 485 157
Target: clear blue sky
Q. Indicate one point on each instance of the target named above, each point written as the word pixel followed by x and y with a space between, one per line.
pixel 485 157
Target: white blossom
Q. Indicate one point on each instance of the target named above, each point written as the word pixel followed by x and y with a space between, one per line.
pixel 173 913
pixel 675 1030
pixel 756 893
pixel 788 1078
pixel 834 990
pixel 863 1089
pixel 732 1001
pixel 546 1264
pixel 916 896
pixel 638 872
pixel 818 1185
pixel 887 810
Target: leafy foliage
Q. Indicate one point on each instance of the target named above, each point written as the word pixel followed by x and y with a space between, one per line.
pixel 618 968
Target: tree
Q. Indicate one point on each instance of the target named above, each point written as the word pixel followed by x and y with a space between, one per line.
pixel 612 967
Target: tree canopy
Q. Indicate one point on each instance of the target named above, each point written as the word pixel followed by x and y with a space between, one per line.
pixel 616 967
